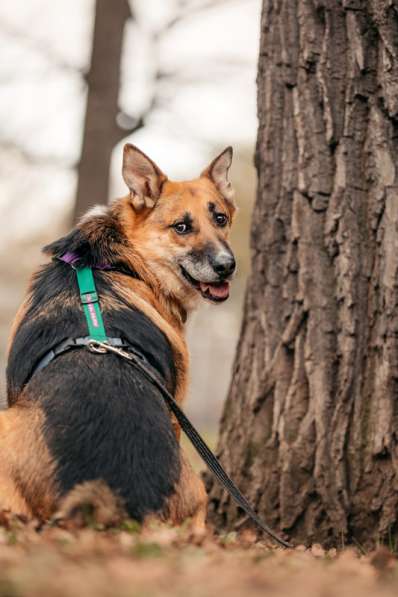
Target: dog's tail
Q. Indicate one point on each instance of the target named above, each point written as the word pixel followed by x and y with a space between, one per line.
pixel 91 503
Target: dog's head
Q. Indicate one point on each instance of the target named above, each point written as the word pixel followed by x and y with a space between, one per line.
pixel 181 228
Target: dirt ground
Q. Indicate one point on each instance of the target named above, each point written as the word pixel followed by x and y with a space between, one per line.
pixel 162 561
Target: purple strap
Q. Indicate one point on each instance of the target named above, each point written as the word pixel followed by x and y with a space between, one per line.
pixel 71 258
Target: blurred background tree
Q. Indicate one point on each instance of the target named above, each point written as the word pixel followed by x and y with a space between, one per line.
pixel 101 130
pixel 309 429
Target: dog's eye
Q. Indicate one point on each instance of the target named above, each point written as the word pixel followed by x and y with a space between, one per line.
pixel 182 228
pixel 220 219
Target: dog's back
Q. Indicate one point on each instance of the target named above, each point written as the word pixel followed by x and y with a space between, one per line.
pixel 99 418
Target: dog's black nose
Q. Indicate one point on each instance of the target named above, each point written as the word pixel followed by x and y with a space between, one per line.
pixel 224 265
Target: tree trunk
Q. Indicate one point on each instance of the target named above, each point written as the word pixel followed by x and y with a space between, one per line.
pixel 309 429
pixel 101 132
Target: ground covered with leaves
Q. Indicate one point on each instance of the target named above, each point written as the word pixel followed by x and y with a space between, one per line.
pixel 129 561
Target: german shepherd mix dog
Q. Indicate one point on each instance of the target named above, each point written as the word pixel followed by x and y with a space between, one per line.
pixel 92 424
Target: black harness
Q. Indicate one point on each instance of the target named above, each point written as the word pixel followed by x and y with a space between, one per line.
pixel 66 346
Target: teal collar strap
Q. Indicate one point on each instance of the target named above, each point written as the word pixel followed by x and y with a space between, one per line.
pixel 90 302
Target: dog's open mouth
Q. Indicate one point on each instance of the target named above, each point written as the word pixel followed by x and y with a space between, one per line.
pixel 213 291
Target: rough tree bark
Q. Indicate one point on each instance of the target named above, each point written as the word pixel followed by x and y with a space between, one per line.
pixel 101 132
pixel 310 426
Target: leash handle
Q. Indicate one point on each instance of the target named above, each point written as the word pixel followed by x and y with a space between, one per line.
pixel 197 441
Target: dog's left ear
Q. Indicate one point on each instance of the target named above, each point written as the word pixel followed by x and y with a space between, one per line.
pixel 142 176
pixel 217 171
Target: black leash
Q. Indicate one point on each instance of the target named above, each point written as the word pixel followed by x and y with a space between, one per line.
pixel 199 444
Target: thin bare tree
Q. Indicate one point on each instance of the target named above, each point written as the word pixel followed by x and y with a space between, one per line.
pixel 101 132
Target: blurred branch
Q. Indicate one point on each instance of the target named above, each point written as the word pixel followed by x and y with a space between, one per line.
pixel 36 45
pixel 131 124
pixel 187 10
pixel 216 70
pixel 213 70
pixel 31 158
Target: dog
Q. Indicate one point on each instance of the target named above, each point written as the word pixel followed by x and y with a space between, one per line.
pixel 89 423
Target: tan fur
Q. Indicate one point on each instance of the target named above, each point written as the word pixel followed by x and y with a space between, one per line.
pixel 189 499
pixel 147 231
pixel 217 172
pixel 93 499
pixel 159 312
pixel 163 296
pixel 24 458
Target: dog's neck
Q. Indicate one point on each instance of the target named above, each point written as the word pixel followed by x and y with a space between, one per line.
pixel 101 241
pixel 107 234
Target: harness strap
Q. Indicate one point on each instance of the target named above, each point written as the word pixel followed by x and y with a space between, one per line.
pixel 89 300
pixel 67 345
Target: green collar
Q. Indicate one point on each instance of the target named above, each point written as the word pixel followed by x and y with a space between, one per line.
pixel 90 302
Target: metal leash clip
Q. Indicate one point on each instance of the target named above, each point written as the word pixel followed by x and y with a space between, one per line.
pixel 103 347
pixel 98 347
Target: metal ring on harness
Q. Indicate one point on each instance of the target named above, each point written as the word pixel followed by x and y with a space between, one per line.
pixel 97 347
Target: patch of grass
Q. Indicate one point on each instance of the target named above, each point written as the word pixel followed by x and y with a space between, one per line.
pixel 260 556
pixel 8 588
pixel 228 538
pixel 130 526
pixel 12 537
pixel 147 550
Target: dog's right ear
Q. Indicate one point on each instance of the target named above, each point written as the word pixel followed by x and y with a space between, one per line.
pixel 142 176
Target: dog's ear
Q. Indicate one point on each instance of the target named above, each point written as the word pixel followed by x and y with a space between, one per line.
pixel 142 176
pixel 217 171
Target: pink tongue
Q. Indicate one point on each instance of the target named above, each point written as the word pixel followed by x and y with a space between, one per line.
pixel 218 291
